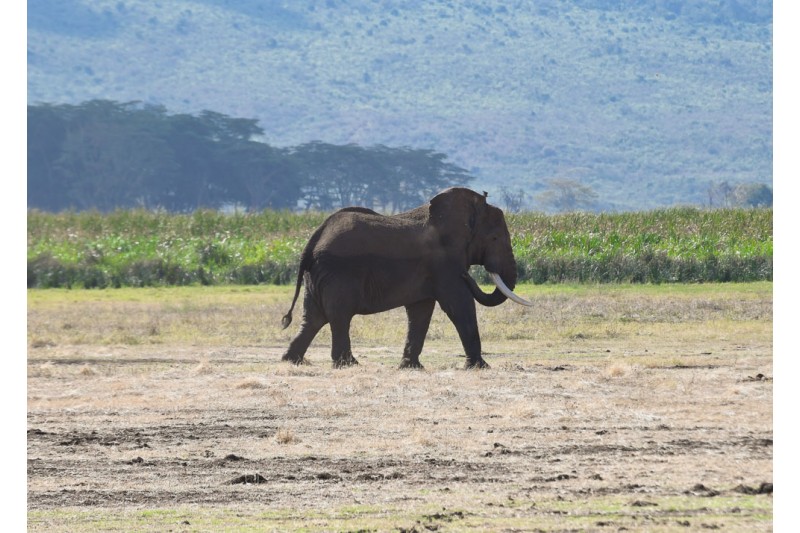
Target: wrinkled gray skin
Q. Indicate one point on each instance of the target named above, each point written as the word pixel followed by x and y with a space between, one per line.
pixel 359 262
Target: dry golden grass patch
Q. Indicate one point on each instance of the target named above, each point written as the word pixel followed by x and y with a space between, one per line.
pixel 596 399
pixel 251 383
pixel 204 367
pixel 619 370
pixel 286 436
pixel 42 370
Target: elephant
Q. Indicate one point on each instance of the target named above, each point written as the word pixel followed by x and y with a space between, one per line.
pixel 360 262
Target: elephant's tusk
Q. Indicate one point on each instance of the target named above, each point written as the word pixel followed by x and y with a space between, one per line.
pixel 508 292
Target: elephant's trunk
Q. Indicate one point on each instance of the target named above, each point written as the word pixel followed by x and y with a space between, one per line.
pixel 489 300
pixel 504 283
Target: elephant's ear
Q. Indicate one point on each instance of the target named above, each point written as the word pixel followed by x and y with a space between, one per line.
pixel 455 212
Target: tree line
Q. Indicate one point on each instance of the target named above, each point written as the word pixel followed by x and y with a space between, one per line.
pixel 105 155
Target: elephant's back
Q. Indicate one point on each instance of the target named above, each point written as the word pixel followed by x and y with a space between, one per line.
pixel 360 231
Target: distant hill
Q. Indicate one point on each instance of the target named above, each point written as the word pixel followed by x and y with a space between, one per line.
pixel 646 102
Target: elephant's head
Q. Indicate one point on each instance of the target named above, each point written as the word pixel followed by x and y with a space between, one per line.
pixel 476 233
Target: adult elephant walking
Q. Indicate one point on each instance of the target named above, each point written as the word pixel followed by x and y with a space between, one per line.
pixel 359 262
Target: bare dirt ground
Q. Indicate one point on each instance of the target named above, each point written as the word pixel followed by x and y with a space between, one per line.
pixel 605 410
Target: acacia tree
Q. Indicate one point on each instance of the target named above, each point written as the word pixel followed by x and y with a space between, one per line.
pixel 261 176
pixel 46 133
pixel 513 200
pixel 191 141
pixel 567 194
pixel 390 179
pixel 107 155
pixel 108 161
pixel 418 174
pixel 753 195
pixel 222 164
pixel 720 194
pixel 338 176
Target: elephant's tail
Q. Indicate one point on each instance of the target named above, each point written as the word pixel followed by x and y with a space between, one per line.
pixel 305 266
pixel 287 318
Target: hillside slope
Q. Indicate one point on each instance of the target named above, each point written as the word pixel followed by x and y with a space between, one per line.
pixel 645 102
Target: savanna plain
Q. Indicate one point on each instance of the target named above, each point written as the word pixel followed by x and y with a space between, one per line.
pixel 607 407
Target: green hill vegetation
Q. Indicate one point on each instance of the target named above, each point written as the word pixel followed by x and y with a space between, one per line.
pixel 146 248
pixel 647 103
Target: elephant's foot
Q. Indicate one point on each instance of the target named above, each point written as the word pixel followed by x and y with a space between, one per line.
pixel 413 365
pixel 294 359
pixel 344 362
pixel 480 364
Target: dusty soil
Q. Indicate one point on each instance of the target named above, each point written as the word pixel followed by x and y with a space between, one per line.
pixel 584 434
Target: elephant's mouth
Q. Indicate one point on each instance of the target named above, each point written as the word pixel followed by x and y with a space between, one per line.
pixel 500 284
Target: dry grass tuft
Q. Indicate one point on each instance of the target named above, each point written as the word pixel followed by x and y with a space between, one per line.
pixel 423 439
pixel 251 383
pixel 87 371
pixel 522 410
pixel 305 369
pixel 286 436
pixel 512 366
pixel 332 411
pixel 42 343
pixel 44 370
pixel 278 398
pixel 204 367
pixel 619 370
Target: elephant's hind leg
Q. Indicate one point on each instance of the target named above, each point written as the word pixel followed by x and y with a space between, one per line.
pixel 341 353
pixel 419 318
pixel 313 321
pixel 297 348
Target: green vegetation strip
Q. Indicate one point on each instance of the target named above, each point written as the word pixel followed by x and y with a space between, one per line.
pixel 657 514
pixel 136 248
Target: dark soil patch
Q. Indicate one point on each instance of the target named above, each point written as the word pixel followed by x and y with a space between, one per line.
pixel 247 479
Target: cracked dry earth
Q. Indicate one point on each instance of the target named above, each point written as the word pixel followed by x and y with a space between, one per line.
pixel 536 443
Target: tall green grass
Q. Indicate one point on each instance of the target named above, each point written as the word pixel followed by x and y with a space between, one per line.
pixel 669 245
pixel 144 248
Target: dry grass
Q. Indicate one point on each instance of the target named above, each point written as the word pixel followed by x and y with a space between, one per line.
pixel 232 317
pixel 42 370
pixel 204 367
pixel 583 412
pixel 619 370
pixel 251 383
pixel 286 436
pixel 87 371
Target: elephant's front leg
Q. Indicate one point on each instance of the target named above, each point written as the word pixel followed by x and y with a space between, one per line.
pixel 419 318
pixel 461 311
pixel 340 342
